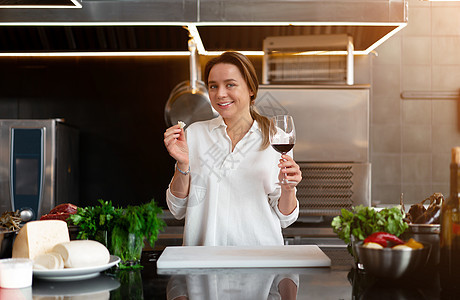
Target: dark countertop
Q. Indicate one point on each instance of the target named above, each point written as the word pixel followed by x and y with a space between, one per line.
pixel 340 281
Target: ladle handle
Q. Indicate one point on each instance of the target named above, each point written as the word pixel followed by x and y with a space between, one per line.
pixel 193 70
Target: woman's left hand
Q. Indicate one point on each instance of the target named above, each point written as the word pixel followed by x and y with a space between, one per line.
pixel 292 170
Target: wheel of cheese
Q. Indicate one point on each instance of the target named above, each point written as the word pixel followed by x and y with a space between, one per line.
pixel 39 237
pixel 82 253
pixel 49 261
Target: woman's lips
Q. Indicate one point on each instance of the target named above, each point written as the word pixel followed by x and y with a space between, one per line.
pixel 225 104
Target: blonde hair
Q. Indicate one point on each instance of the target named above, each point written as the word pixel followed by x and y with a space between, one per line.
pixel 250 76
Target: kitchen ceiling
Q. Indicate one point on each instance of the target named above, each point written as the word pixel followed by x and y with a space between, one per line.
pixel 158 25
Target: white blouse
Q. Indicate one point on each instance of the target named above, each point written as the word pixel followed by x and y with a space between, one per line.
pixel 233 196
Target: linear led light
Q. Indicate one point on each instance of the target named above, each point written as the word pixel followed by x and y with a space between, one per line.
pixel 89 53
pixel 384 38
pixel 154 53
pixel 76 4
pixel 196 36
pixel 194 32
pixel 201 24
pixel 94 23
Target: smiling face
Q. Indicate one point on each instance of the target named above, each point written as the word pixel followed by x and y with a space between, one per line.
pixel 229 94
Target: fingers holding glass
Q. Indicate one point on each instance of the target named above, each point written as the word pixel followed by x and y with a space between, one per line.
pixel 289 171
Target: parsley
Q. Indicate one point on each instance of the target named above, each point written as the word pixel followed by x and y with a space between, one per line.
pixel 362 221
pixel 93 220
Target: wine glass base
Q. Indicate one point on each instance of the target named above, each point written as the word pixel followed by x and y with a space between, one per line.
pixel 285 182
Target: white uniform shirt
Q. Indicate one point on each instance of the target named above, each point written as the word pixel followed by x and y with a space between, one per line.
pixel 233 196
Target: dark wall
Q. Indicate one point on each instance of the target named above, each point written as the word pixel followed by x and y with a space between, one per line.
pixel 116 103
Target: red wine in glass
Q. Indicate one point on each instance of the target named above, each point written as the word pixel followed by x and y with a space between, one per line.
pixel 282 136
pixel 283 148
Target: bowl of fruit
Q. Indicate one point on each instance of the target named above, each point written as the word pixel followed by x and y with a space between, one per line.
pixel 385 255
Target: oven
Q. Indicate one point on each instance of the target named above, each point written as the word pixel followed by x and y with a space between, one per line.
pixel 38 165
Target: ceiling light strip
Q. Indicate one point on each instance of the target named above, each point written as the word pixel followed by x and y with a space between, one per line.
pixel 384 38
pixel 150 53
pixel 196 36
pixel 94 23
pixel 193 30
pixel 261 53
pixel 76 54
pixel 76 4
pixel 202 24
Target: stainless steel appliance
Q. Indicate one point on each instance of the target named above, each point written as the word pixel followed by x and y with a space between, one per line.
pixel 332 62
pixel 38 165
pixel 332 149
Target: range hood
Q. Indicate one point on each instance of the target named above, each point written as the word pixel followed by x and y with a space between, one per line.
pixel 217 25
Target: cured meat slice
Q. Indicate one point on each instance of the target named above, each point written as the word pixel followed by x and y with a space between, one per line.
pixel 59 216
pixel 64 208
pixel 60 212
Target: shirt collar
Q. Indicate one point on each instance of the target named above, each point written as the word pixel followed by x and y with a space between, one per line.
pixel 219 122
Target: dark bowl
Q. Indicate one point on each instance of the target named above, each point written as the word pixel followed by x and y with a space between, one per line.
pixel 393 263
pixel 428 233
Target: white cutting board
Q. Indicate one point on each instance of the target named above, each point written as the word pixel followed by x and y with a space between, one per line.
pixel 243 257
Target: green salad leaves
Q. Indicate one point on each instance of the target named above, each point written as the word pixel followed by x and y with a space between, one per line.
pixel 362 221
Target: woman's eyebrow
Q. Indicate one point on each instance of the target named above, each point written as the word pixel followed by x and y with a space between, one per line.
pixel 226 80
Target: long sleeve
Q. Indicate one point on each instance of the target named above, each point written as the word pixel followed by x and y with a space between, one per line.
pixel 177 206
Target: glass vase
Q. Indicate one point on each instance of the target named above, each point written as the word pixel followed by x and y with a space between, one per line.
pixel 102 236
pixel 128 246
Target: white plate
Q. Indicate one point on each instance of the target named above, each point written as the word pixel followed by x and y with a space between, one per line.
pixel 75 273
pixel 101 284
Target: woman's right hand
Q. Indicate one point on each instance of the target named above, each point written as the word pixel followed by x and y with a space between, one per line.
pixel 176 144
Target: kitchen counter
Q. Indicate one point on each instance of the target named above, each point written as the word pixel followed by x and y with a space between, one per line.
pixel 340 281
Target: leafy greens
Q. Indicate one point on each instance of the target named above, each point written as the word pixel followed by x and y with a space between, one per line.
pixel 362 221
pixel 142 220
pixel 95 219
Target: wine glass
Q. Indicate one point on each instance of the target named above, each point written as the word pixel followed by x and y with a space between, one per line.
pixel 282 136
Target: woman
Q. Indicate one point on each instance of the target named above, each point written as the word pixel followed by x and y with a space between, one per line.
pixel 224 182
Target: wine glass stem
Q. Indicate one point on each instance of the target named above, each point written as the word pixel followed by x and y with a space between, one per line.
pixel 284 181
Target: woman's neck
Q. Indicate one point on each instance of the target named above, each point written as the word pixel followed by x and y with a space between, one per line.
pixel 237 128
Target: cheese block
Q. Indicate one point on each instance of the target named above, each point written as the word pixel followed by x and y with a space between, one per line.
pixel 82 253
pixel 49 261
pixel 39 237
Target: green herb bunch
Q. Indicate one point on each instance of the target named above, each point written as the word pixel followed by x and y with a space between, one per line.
pixel 142 222
pixel 95 219
pixel 362 221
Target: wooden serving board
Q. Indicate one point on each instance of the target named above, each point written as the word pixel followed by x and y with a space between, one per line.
pixel 243 257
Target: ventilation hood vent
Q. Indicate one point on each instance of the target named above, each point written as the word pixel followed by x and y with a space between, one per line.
pixel 218 25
